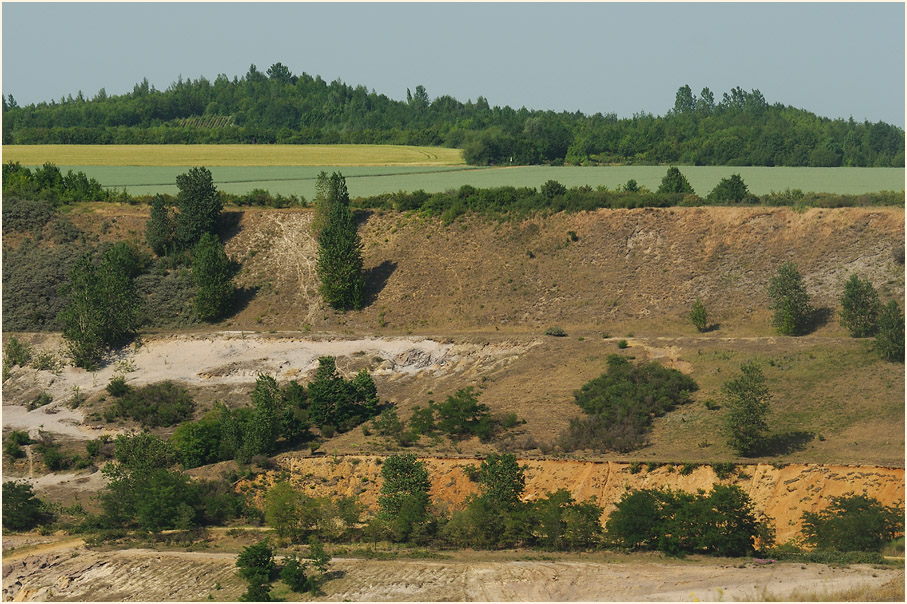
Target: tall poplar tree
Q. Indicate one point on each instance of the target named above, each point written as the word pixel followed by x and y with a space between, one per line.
pixel 339 263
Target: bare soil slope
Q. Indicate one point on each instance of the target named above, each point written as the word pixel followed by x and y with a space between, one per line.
pixel 627 267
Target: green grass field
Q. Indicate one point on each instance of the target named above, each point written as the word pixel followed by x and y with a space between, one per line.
pixel 366 181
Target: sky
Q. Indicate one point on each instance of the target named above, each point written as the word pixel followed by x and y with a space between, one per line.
pixel 837 60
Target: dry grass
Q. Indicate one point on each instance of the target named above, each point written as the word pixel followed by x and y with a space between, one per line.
pixel 232 155
pixel 892 591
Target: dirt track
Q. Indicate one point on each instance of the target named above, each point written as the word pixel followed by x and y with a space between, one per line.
pixel 150 575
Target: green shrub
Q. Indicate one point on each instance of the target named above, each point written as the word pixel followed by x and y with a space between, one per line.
pixel 14 441
pixel 853 523
pixel 622 402
pixel 698 316
pixel 32 275
pixel 723 469
pixel 552 189
pixel 388 424
pixel 339 261
pixel 293 574
pixel 675 182
pixel 404 500
pixel 730 190
pixel 509 421
pixel 422 421
pixel 22 511
pixel 25 215
pixel 213 276
pixel 688 468
pixel 557 332
pixel 16 352
pixel 338 402
pixel 889 342
pixel 622 344
pixel 118 387
pixel 155 405
pixel 256 566
pixel 13 450
pixel 747 400
pixel 46 361
pixel 462 415
pixel 39 401
pixel 54 458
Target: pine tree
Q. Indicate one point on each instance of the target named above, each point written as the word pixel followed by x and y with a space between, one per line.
pixel 339 263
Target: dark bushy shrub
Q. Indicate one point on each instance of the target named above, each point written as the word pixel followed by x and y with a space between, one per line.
pixel 622 402
pixel 26 215
pixel 117 386
pixel 853 523
pixel 462 415
pixel 154 405
pixel 722 522
pixel 22 511
pixel 32 276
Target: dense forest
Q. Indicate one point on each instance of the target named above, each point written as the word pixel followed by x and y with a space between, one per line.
pixel 276 106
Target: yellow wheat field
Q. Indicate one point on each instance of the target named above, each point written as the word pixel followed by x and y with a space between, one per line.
pixel 232 155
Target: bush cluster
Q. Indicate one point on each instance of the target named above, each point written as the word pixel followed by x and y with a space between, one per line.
pixel 278 417
pixel 853 523
pixel 621 403
pixel 722 522
pixel 49 184
pixel 143 492
pixel 154 405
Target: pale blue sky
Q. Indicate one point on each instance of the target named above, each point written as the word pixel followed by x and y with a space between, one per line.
pixel 835 59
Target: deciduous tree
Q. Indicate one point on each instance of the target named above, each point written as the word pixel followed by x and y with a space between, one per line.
pixel 199 205
pixel 213 278
pixel 860 307
pixel 747 401
pixel 675 182
pixel 890 336
pixel 789 301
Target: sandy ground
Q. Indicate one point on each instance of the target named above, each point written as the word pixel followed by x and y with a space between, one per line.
pixel 75 573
